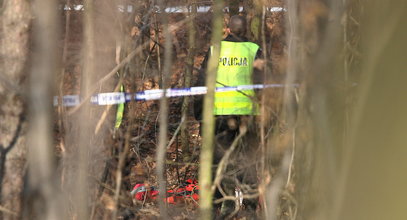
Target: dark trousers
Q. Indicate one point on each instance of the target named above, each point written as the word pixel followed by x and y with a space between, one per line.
pixel 241 167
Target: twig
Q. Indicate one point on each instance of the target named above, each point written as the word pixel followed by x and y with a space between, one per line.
pixel 119 174
pixel 16 134
pixel 157 39
pixel 176 160
pixel 297 99
pixel 292 200
pixel 291 161
pixel 231 215
pixel 225 158
pixel 233 198
pixel 176 133
pixel 123 155
pixel 354 20
pixel 61 109
pixel 101 187
pixel 107 108
pixel 145 63
pixel 181 163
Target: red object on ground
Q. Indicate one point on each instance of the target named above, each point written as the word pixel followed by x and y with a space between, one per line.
pixel 189 189
pixel 140 192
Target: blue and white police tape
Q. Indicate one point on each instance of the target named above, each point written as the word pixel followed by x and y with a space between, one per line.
pixel 113 98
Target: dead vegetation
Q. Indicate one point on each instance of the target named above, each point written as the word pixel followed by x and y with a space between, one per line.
pixel 328 149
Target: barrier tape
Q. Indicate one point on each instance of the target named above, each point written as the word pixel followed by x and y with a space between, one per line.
pixel 114 98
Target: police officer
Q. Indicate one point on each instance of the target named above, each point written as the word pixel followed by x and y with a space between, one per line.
pixel 232 110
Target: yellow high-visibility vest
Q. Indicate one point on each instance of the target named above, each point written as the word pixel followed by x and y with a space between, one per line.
pixel 235 68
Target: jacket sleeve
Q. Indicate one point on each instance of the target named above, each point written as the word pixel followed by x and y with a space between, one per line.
pixel 259 54
pixel 258 74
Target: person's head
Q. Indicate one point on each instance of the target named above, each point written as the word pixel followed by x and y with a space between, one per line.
pixel 237 25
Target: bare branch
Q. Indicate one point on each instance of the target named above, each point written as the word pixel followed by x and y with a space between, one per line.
pixel 233 198
pixel 5 150
pixel 107 76
pixel 225 158
pixel 164 111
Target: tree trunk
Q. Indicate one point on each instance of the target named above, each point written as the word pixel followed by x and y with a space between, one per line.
pixel 187 80
pixel 14 36
pixel 164 111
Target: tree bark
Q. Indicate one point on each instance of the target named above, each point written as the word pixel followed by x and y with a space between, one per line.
pixel 187 80
pixel 14 41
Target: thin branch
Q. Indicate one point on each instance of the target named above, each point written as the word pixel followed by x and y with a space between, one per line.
pixel 102 185
pixel 291 161
pixel 233 198
pixel 13 141
pixel 176 132
pixel 225 158
pixel 206 156
pixel 61 109
pixel 5 150
pixel 163 116
pixel 169 162
pixel 106 111
pixel 107 76
pixel 121 163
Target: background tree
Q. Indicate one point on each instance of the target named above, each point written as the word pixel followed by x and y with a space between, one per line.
pixel 14 44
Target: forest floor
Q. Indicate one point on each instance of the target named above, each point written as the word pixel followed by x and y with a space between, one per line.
pixel 143 125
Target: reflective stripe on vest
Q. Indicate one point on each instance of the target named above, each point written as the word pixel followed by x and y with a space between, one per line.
pixel 235 68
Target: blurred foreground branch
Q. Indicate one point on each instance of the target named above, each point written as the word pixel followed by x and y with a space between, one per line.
pixel 44 198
